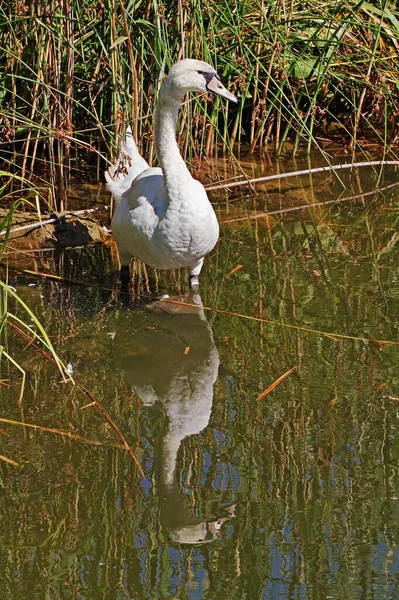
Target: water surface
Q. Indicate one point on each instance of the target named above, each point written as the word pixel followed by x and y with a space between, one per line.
pixel 293 496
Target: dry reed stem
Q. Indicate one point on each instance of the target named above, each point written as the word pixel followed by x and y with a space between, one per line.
pixel 334 336
pixel 8 460
pixel 53 430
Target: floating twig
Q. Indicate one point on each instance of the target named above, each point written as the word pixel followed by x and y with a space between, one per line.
pixel 271 387
pixel 237 268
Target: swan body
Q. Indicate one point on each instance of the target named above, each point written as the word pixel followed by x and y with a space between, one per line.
pixel 163 215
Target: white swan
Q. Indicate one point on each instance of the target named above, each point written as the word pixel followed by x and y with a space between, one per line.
pixel 163 215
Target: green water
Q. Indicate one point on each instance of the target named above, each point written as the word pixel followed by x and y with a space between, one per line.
pixel 293 496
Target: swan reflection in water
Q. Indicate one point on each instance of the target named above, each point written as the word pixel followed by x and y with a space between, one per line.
pixel 175 368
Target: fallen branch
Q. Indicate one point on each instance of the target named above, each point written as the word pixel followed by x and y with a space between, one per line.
pixel 9 461
pixel 56 219
pixel 327 169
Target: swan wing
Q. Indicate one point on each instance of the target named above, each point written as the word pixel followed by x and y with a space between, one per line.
pixel 148 188
pixel 127 167
pixel 133 229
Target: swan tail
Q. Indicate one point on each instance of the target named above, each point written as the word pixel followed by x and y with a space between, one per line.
pixel 129 164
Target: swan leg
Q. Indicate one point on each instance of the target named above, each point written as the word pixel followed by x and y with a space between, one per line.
pixel 194 274
pixel 124 274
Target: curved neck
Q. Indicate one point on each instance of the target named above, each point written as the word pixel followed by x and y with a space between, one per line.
pixel 168 153
pixel 170 448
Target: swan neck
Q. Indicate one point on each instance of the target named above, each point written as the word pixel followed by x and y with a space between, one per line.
pixel 167 150
pixel 171 445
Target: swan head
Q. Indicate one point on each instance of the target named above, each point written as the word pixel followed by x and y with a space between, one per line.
pixel 190 75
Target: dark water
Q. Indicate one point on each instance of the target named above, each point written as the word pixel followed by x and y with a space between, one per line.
pixel 293 496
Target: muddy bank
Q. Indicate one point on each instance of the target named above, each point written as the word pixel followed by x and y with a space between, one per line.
pixel 62 229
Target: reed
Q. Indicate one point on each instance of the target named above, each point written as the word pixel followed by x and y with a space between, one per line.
pixel 73 74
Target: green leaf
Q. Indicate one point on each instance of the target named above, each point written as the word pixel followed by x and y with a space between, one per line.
pixel 120 39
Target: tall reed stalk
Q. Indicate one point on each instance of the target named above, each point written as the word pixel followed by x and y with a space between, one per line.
pixel 73 74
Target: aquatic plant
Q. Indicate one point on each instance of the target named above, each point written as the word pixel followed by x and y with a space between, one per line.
pixel 73 74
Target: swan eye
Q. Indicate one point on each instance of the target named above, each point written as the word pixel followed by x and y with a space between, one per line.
pixel 208 76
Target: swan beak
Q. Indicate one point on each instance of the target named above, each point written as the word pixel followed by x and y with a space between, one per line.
pixel 216 87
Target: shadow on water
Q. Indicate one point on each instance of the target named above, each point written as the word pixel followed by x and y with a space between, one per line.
pixel 297 493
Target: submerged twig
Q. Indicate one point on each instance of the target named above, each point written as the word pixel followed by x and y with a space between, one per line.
pixel 237 268
pixel 281 211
